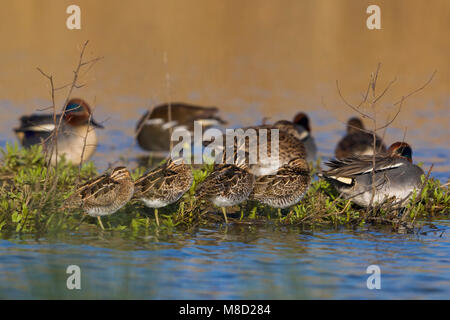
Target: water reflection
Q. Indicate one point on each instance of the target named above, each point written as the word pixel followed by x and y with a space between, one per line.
pixel 242 262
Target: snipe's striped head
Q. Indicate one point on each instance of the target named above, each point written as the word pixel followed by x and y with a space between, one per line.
pixel 401 149
pixel 354 125
pixel 120 173
pixel 302 119
pixel 174 162
pixel 77 112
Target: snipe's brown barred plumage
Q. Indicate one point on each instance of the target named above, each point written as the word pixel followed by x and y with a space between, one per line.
pixel 103 195
pixel 300 129
pixel 289 147
pixel 228 185
pixel 164 185
pixel 286 187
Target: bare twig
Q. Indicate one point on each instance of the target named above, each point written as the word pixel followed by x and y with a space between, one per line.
pixel 86 135
pixel 52 148
pixel 418 89
pixel 373 117
pixel 364 115
pixel 169 98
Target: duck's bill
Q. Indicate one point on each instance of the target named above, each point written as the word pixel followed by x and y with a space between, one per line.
pixel 96 124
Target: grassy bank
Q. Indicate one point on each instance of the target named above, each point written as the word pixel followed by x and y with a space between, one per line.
pixel 31 197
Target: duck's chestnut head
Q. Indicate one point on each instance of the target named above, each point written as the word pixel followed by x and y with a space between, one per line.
pixel 77 112
pixel 401 149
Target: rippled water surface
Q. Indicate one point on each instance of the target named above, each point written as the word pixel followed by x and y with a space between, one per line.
pixel 241 262
pixel 251 262
pixel 252 59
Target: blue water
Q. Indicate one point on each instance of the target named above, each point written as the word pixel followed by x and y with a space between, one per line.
pixel 240 262
pixel 117 145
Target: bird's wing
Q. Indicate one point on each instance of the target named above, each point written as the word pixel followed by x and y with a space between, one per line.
pixel 353 166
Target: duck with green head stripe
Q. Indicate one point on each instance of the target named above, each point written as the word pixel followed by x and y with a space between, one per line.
pixel 395 176
pixel 77 139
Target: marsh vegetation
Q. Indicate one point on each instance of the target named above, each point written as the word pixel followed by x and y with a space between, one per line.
pixel 32 194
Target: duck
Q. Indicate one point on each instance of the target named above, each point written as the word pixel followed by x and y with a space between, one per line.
pixel 301 129
pixel 103 195
pixel 228 185
pixel 396 177
pixel 164 185
pixel 76 140
pixel 154 128
pixel 264 161
pixel 286 187
pixel 357 141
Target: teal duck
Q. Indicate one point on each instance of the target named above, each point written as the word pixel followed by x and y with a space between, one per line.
pixel 357 142
pixel 153 129
pixel 76 137
pixel 395 176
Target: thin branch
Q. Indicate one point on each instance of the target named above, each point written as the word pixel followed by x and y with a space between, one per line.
pixel 350 105
pixel 393 119
pixel 53 148
pixel 85 136
pixel 91 61
pixel 374 79
pixel 385 90
pixel 418 89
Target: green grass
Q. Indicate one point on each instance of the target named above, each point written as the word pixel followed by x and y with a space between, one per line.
pixel 31 198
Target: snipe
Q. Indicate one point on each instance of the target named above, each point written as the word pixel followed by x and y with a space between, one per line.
pixel 301 129
pixel 286 187
pixel 103 195
pixel 228 185
pixel 164 185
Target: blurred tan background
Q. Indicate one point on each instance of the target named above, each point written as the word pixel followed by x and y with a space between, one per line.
pixel 271 56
